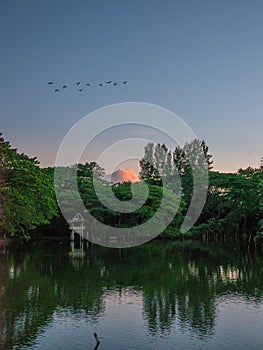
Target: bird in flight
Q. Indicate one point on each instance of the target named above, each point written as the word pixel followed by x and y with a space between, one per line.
pixel 89 85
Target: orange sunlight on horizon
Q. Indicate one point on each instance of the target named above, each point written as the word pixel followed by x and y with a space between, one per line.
pixel 125 175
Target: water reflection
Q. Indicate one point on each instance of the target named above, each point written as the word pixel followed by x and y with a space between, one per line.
pixel 175 284
pixel 2 291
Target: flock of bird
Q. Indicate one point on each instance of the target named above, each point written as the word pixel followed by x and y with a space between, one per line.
pixel 81 85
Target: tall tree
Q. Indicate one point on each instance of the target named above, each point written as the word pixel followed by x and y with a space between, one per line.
pixel 180 161
pixel 208 157
pixel 147 163
pixel 158 162
pixel 29 193
pixel 2 187
pixel 160 155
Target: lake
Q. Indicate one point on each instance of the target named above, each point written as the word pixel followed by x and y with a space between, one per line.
pixel 160 295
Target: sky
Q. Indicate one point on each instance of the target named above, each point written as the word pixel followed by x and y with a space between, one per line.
pixel 203 60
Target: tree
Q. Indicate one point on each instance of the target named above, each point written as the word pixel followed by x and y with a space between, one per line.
pixel 2 187
pixel 29 193
pixel 159 163
pixel 88 170
pixel 160 160
pixel 195 165
pixel 147 164
pixel 180 161
pixel 233 203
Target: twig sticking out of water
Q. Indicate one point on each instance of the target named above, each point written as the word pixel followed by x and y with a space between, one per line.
pixel 97 339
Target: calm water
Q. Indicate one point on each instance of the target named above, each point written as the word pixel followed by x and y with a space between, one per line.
pixel 162 295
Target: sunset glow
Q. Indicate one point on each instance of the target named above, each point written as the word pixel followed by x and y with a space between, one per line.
pixel 125 175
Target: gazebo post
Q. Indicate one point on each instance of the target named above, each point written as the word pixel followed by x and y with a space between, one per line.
pixel 72 235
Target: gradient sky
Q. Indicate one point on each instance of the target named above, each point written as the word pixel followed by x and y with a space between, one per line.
pixel 201 59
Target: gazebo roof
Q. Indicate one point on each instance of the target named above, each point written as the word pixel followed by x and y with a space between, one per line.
pixel 77 218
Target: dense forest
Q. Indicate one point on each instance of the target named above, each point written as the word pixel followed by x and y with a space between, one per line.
pixel 233 207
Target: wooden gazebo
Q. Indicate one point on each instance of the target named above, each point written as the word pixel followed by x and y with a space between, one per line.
pixel 78 225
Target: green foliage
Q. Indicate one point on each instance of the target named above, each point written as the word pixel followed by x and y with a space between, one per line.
pixel 27 198
pixel 175 170
pixel 29 193
pixel 233 203
pixel 147 164
pixel 123 193
pixel 177 282
pixel 89 170
pixel 260 225
pixel 2 187
pixel 69 199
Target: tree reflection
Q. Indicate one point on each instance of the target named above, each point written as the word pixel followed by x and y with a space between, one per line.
pixel 3 278
pixel 179 283
pixel 38 285
pixel 184 285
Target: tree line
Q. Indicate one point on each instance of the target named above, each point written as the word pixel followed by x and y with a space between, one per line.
pixel 234 202
pixel 28 206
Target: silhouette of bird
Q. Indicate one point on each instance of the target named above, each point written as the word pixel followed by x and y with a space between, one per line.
pixel 96 337
pixel 88 84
